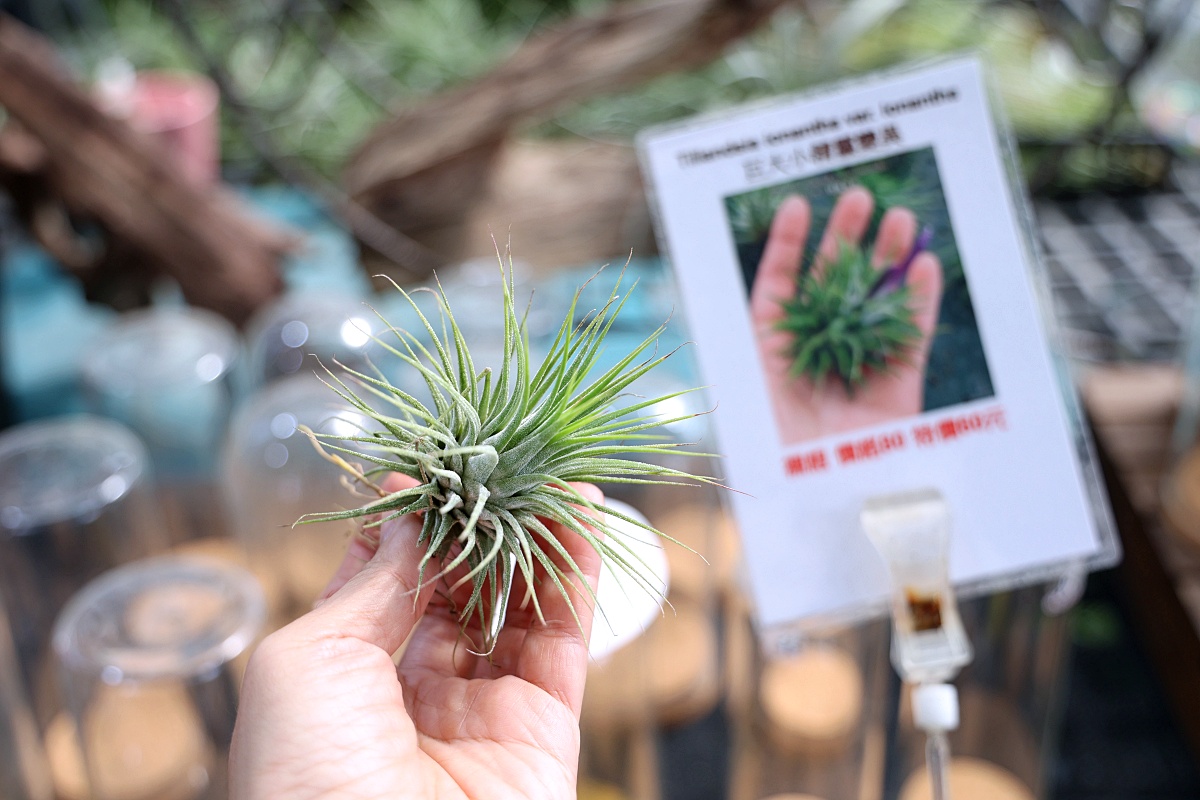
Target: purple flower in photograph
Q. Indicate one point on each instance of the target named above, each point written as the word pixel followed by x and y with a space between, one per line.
pixel 893 277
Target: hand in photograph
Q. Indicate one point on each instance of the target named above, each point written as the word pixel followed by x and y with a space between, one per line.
pixel 827 371
pixel 325 712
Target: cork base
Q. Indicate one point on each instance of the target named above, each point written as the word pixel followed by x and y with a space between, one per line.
pixel 668 675
pixel 812 702
pixel 144 742
pixel 596 790
pixel 163 616
pixel 970 779
pixel 713 538
pixel 1181 499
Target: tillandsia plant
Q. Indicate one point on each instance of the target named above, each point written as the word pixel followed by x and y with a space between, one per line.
pixel 850 320
pixel 495 454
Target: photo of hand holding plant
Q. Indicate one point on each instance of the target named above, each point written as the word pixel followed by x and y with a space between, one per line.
pixel 845 344
pixel 858 299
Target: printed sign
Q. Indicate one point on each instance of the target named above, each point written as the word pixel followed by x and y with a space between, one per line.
pixel 858 284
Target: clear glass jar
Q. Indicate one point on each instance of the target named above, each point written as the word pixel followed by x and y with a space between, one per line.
pixel 668 678
pixel 148 661
pixel 811 722
pixel 167 374
pixel 272 475
pixel 24 771
pixel 75 500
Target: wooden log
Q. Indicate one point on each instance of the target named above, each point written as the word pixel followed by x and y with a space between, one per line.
pixel 427 166
pixel 204 237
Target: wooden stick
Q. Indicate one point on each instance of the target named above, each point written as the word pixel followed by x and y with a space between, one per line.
pixel 204 237
pixel 448 143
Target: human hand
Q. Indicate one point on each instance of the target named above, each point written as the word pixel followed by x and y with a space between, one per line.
pixel 806 410
pixel 325 712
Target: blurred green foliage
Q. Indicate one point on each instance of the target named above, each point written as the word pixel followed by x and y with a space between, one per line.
pixel 1045 90
pixel 314 85
pixel 318 74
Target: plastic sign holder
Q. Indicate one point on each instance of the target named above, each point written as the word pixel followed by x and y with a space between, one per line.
pixel 911 531
pixel 987 413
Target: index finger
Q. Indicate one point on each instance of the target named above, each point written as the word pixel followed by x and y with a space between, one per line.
pixel 847 224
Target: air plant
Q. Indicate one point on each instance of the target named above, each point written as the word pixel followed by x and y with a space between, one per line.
pixel 495 454
pixel 849 319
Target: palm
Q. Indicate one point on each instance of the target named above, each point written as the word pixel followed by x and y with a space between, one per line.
pixel 828 408
pixel 326 712
pixel 484 730
pixel 466 738
pixel 522 743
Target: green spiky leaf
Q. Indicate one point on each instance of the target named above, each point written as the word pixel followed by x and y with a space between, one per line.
pixel 840 325
pixel 495 455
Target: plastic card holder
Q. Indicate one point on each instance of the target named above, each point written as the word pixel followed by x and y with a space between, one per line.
pixel 751 207
pixel 912 532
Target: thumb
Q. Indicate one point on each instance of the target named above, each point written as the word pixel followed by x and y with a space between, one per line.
pixel 383 602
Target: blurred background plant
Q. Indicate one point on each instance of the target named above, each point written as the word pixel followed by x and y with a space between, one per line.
pixel 303 81
pixel 310 76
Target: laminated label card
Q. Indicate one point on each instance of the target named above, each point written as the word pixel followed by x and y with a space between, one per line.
pixel 858 282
